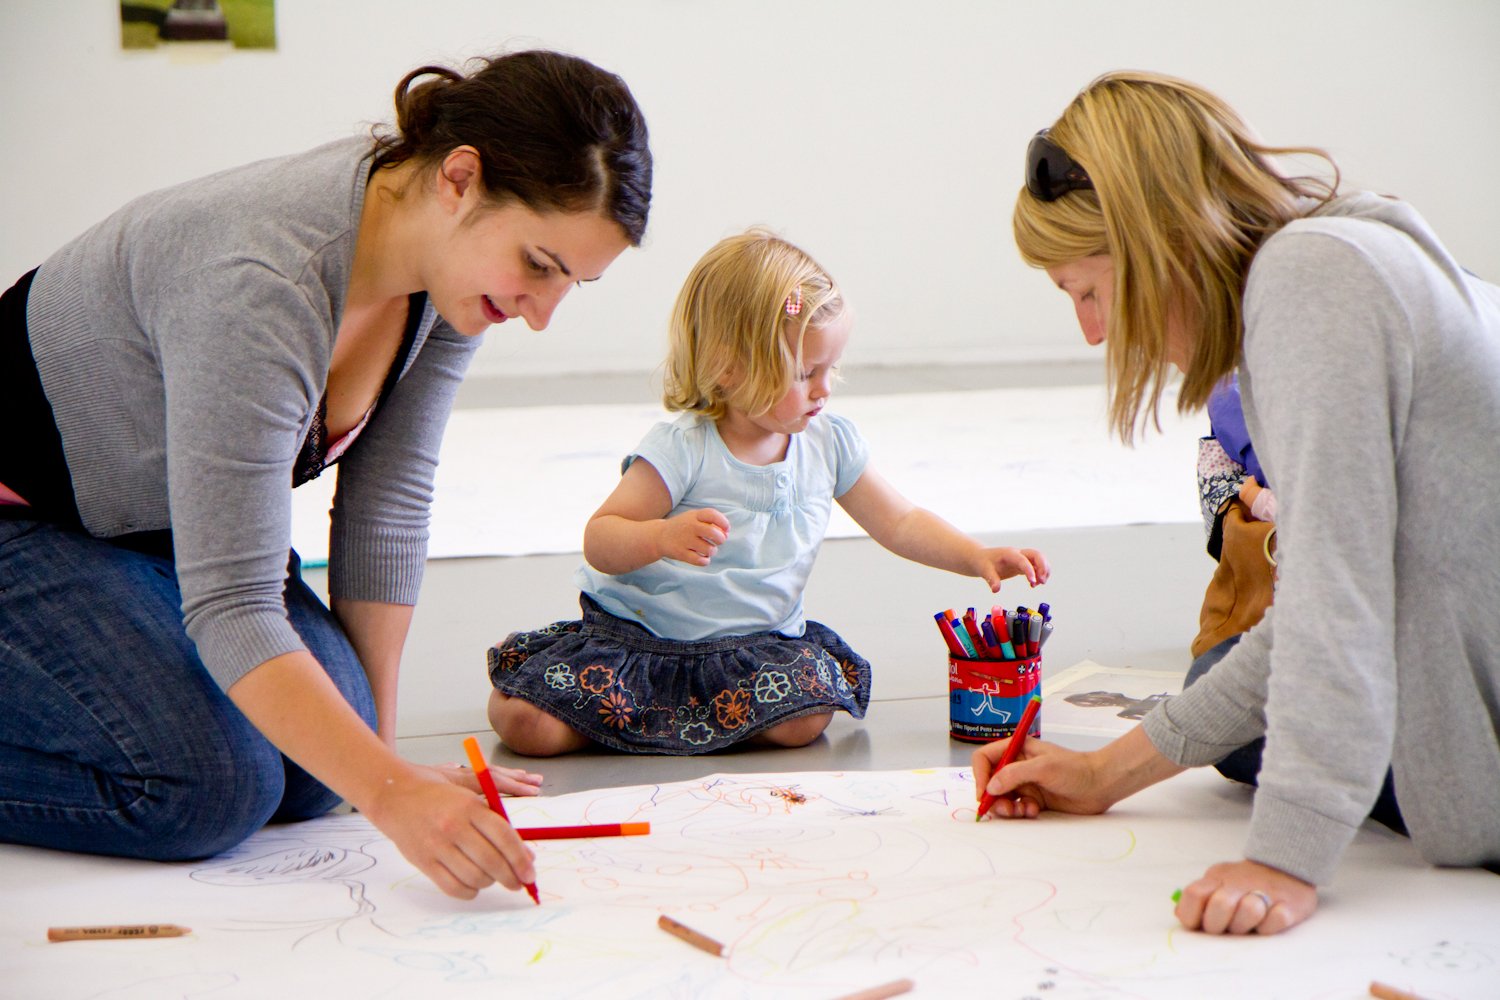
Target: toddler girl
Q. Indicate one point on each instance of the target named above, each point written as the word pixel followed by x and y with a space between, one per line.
pixel 693 636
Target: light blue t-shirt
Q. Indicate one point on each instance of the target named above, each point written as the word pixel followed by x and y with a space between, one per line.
pixel 777 515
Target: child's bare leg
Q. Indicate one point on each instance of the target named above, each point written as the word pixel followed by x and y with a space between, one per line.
pixel 798 732
pixel 528 730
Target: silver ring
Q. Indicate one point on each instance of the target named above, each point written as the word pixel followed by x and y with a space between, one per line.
pixel 1264 899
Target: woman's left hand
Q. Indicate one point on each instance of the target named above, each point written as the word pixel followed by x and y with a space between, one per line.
pixel 1245 897
pixel 509 780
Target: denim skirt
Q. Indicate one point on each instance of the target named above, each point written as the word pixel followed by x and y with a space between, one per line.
pixel 622 686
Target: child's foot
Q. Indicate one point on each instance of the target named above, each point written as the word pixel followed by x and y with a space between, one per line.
pixel 798 732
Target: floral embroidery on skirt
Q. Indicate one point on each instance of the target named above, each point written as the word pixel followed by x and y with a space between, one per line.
pixel 620 685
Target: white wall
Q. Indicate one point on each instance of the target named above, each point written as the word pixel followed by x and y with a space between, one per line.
pixel 885 138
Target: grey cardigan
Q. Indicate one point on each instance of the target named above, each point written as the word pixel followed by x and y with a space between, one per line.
pixel 184 345
pixel 1371 383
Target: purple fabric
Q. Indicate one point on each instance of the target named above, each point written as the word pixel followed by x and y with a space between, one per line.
pixel 1226 419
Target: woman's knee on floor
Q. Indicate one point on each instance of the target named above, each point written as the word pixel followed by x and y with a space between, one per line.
pixel 206 809
pixel 526 729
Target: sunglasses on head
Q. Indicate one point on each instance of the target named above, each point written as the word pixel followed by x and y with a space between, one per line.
pixel 1050 172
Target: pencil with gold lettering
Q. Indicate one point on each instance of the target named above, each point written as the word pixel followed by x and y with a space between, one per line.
pixel 114 931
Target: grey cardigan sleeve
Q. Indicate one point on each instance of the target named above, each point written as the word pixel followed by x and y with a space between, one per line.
pixel 1326 383
pixel 378 541
pixel 1329 351
pixel 244 358
pixel 1223 711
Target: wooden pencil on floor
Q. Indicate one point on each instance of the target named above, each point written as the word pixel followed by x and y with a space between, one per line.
pixel 116 931
pixel 1383 992
pixel 881 992
pixel 692 937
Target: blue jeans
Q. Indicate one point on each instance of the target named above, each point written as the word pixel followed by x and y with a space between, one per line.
pixel 114 739
pixel 1243 765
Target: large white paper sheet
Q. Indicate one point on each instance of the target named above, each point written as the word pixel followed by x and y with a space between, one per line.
pixel 817 883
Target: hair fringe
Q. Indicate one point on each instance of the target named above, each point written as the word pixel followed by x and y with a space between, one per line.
pixel 1184 197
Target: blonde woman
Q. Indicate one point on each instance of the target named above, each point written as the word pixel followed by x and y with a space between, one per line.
pixel 1369 363
pixel 693 635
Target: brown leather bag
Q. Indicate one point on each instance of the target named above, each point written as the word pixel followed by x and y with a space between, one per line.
pixel 1242 584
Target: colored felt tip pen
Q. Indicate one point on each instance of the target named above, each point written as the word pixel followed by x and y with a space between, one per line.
pixel 948 636
pixel 961 634
pixel 579 832
pixel 1177 895
pixel 987 629
pixel 1002 631
pixel 1012 749
pixel 971 627
pixel 492 796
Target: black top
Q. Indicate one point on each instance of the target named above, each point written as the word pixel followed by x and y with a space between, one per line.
pixel 33 465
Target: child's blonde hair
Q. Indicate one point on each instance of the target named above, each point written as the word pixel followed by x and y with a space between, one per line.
pixel 734 340
pixel 1183 197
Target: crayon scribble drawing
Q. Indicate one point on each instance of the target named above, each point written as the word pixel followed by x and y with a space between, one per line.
pixel 817 884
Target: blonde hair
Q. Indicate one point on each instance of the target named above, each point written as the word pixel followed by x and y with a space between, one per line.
pixel 1183 197
pixel 733 341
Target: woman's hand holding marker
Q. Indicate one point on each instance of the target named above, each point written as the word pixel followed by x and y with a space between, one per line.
pixel 1012 750
pixel 1045 776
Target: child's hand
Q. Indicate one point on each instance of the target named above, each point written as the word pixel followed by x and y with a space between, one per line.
pixel 994 565
pixel 1260 500
pixel 693 536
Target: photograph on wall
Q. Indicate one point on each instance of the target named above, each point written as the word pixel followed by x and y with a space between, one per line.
pixel 240 24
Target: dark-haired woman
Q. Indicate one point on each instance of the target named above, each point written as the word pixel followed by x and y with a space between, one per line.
pixel 166 378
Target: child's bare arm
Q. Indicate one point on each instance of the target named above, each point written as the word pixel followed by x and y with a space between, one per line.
pixel 631 528
pixel 917 534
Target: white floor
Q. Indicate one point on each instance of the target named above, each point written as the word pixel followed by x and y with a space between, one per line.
pixel 524 480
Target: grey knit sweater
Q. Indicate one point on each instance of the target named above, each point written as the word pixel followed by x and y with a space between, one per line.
pixel 184 344
pixel 1371 383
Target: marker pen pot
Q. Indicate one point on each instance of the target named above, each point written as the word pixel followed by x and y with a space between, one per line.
pixel 986 697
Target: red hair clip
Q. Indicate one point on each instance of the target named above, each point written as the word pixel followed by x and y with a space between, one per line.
pixel 794 303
